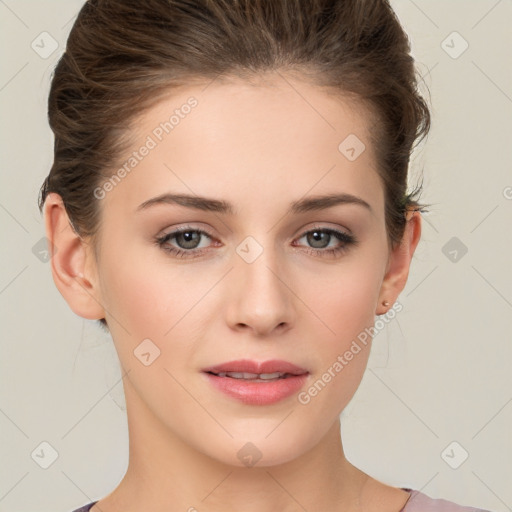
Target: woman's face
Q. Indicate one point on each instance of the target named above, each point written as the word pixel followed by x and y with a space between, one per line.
pixel 256 278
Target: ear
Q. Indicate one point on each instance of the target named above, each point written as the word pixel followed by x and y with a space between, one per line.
pixel 399 262
pixel 72 262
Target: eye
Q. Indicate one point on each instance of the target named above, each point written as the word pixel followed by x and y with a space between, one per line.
pixel 320 238
pixel 187 239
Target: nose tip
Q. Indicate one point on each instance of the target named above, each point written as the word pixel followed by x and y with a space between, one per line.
pixel 262 301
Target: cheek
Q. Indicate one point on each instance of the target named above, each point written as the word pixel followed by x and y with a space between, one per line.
pixel 149 300
pixel 344 301
pixel 145 294
pixel 344 298
pixel 347 312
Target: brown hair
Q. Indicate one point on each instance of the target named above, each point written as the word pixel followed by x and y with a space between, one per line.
pixel 122 56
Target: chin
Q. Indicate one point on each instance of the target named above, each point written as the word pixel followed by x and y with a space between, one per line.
pixel 261 449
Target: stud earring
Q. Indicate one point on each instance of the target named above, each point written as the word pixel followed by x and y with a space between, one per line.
pixel 385 303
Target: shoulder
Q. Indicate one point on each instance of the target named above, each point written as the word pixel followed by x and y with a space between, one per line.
pixel 85 508
pixel 419 502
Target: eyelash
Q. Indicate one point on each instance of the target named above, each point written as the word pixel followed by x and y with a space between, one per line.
pixel 348 240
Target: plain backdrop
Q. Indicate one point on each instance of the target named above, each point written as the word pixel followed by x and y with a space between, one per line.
pixel 434 409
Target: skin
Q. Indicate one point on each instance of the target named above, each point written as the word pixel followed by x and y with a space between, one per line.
pixel 259 146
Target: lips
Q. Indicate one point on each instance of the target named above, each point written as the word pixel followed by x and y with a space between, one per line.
pixel 253 369
pixel 257 383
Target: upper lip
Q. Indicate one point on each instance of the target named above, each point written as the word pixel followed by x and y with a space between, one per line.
pixel 250 366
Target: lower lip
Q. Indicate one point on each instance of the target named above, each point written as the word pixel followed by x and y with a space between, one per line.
pixel 258 393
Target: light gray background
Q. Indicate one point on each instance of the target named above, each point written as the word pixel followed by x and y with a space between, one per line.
pixel 438 373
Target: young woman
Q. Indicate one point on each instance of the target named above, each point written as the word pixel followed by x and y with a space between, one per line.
pixel 229 198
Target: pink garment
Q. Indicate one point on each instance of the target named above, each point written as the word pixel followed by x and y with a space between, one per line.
pixel 418 502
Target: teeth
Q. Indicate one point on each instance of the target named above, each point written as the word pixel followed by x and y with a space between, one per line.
pixel 252 376
pixel 275 375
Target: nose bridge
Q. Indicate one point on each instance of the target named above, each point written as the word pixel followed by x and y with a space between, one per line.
pixel 262 300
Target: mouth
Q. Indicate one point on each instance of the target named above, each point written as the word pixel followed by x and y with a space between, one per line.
pixel 257 383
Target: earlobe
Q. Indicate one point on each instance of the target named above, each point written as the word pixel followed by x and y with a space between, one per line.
pixel 71 261
pixel 399 262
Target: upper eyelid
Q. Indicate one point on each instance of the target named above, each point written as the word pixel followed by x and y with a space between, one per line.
pixel 185 229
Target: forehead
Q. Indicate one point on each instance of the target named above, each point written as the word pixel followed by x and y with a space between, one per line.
pixel 275 138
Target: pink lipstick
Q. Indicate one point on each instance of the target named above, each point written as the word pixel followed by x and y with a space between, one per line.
pixel 257 383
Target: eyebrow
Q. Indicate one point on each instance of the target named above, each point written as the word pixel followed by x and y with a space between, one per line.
pixel 314 203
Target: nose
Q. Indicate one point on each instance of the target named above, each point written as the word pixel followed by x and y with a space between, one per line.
pixel 262 300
